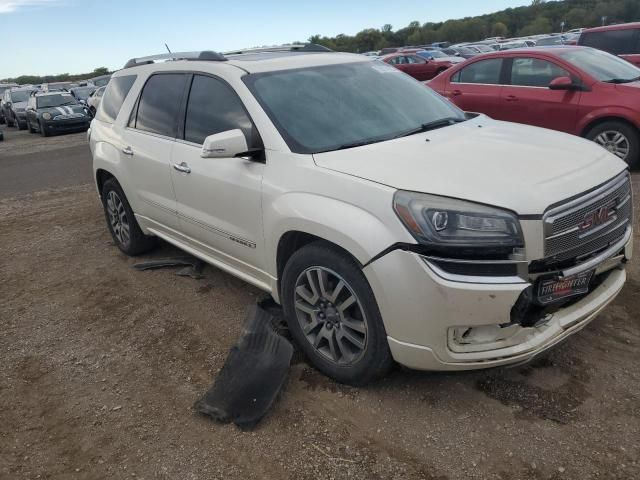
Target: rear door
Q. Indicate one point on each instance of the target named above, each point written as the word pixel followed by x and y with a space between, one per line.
pixel 526 97
pixel 476 87
pixel 219 200
pixel 148 142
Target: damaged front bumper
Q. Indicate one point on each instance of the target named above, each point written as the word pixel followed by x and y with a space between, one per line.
pixel 441 322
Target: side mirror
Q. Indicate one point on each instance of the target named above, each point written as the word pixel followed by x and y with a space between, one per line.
pixel 562 83
pixel 231 143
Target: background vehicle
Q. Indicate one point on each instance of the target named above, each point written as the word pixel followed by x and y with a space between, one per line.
pixel 3 88
pixel 512 45
pixel 419 68
pixel 439 55
pixel 577 90
pixel 463 52
pixel 100 81
pixel 622 40
pixel 94 99
pixel 56 112
pixel 14 103
pixel 82 93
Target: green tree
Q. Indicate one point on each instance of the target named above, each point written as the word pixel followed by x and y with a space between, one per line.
pixel 101 71
pixel 499 29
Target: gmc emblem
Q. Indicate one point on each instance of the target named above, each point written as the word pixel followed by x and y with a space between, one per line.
pixel 597 217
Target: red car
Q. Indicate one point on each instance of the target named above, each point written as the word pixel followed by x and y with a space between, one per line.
pixel 418 68
pixel 578 90
pixel 622 40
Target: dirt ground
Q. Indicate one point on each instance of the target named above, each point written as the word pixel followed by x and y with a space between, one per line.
pixel 100 366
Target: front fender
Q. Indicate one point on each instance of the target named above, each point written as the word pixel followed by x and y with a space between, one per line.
pixel 358 231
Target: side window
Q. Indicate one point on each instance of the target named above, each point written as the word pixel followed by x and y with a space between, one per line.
pixel 617 42
pixel 395 60
pixel 214 107
pixel 159 104
pixel 533 72
pixel 115 94
pixel 484 71
pixel 414 59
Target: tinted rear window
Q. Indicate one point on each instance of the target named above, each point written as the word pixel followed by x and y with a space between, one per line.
pixel 482 72
pixel 618 42
pixel 114 97
pixel 160 104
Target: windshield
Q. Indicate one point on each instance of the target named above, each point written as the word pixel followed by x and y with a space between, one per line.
pixel 601 65
pixel 56 100
pixel 432 53
pixel 549 41
pixel 326 108
pixel 20 96
pixel 83 92
pixel 483 48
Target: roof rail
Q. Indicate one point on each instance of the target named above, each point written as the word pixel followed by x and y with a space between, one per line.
pixel 205 55
pixel 298 47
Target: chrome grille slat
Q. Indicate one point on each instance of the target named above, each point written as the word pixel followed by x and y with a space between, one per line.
pixel 564 239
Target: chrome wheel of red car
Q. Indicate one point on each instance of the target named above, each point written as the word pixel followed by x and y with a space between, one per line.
pixel 615 142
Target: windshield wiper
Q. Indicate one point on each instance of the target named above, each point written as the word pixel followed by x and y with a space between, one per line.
pixel 356 144
pixel 622 80
pixel 425 127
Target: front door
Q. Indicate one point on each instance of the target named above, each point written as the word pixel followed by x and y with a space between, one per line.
pixel 219 200
pixel 527 97
pixel 476 87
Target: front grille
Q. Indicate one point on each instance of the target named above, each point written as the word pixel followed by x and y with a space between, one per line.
pixel 590 223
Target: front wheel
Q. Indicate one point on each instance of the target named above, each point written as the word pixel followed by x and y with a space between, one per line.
pixel 333 316
pixel 43 132
pixel 121 221
pixel 619 138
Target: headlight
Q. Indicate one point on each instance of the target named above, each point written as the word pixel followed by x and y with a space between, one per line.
pixel 46 116
pixel 446 222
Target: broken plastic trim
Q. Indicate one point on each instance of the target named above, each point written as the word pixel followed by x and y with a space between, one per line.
pixel 253 375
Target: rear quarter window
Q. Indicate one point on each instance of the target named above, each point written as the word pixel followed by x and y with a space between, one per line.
pixel 617 42
pixel 114 96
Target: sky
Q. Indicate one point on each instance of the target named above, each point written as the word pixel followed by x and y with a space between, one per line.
pixel 76 36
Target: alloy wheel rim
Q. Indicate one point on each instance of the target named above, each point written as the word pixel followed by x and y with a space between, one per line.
pixel 330 315
pixel 615 142
pixel 118 218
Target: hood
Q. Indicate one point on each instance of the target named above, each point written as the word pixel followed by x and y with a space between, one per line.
pixel 632 87
pixel 19 105
pixel 65 110
pixel 517 167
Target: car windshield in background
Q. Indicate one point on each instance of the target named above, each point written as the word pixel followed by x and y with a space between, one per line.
pixel 57 100
pixel 543 42
pixel 601 65
pixel 432 53
pixel 333 107
pixel 484 48
pixel 21 96
pixel 83 92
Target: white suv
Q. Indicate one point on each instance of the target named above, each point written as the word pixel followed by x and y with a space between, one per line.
pixel 388 223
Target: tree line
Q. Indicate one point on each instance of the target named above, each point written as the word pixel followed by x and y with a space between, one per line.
pixel 62 77
pixel 537 18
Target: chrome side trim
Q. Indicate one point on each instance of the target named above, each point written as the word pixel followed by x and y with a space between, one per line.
pixel 452 277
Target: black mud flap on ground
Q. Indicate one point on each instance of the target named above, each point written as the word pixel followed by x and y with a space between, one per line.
pixel 193 267
pixel 253 375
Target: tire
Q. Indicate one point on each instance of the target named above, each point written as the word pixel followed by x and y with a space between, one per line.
pixel 9 123
pixel 334 317
pixel 619 138
pixel 43 132
pixel 92 110
pixel 29 127
pixel 121 221
pixel 18 126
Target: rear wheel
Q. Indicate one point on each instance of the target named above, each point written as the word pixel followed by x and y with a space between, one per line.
pixel 619 138
pixel 333 315
pixel 121 221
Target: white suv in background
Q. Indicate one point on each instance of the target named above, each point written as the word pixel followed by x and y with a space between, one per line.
pixel 388 223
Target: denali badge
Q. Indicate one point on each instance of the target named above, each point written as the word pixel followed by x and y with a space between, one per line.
pixel 598 217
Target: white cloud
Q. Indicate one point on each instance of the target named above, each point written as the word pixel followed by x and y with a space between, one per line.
pixel 8 6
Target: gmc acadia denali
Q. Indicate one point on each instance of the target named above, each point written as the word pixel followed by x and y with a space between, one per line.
pixel 388 223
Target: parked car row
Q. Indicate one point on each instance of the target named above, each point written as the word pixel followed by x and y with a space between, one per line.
pixel 577 90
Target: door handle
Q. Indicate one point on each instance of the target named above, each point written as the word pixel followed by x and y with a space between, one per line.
pixel 511 98
pixel 182 167
pixel 456 93
pixel 127 150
